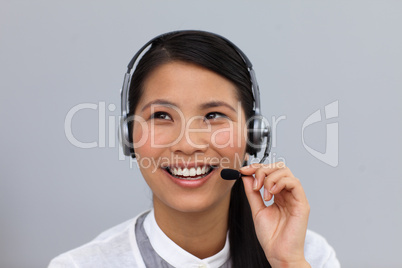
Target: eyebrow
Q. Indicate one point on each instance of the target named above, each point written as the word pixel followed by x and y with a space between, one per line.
pixel 213 104
pixel 207 105
pixel 160 102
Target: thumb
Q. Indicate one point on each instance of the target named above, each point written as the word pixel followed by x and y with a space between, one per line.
pixel 254 196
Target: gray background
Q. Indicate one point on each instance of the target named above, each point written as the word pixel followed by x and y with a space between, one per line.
pixel 55 55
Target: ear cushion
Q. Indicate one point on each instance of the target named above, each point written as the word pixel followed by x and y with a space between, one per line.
pixel 257 130
pixel 253 144
pixel 126 137
pixel 130 139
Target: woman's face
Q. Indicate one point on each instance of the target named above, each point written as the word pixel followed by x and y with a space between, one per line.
pixel 189 125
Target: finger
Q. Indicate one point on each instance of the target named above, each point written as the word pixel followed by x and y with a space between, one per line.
pixel 273 177
pixel 263 177
pixel 261 171
pixel 290 184
pixel 250 169
pixel 254 197
pixel 289 193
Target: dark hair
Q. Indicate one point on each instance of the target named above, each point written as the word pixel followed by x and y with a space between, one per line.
pixel 214 53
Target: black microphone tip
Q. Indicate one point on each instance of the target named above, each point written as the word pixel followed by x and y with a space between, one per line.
pixel 230 174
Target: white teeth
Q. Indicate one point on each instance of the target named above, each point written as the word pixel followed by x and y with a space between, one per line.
pixel 190 172
pixel 186 172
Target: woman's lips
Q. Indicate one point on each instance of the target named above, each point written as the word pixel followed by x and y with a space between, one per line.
pixel 188 181
pixel 192 173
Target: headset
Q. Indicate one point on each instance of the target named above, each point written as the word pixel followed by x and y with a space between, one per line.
pixel 258 128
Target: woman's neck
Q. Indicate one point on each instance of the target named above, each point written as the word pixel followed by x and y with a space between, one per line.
pixel 203 234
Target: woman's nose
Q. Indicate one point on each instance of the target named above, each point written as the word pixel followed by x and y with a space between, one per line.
pixel 193 139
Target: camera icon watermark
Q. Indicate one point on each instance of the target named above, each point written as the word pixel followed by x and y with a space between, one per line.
pixel 331 154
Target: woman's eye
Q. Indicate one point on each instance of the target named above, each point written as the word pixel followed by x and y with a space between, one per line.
pixel 161 115
pixel 214 115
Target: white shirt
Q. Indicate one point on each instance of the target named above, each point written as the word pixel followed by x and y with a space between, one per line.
pixel 175 255
pixel 117 247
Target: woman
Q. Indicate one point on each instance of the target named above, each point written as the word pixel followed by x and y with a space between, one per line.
pixel 190 101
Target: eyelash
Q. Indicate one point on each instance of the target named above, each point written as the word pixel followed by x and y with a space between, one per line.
pixel 164 115
pixel 161 115
pixel 215 113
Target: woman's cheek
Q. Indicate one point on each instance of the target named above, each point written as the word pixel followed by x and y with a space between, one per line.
pixel 228 139
pixel 152 136
pixel 222 138
pixel 140 135
pixel 163 136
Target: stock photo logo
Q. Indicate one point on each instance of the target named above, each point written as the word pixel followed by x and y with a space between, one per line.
pixel 108 124
pixel 331 154
pixel 101 141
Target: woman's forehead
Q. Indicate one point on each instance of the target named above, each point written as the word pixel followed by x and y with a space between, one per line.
pixel 184 83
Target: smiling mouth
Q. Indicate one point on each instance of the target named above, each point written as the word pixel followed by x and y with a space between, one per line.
pixel 193 173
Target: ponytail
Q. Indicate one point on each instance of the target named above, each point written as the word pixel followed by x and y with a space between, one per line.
pixel 245 249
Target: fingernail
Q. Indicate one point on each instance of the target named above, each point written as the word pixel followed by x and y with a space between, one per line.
pixel 245 167
pixel 255 184
pixel 266 194
pixel 273 188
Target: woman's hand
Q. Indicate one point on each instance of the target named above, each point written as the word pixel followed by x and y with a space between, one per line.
pixel 281 227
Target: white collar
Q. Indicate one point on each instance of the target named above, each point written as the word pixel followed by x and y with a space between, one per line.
pixel 175 255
